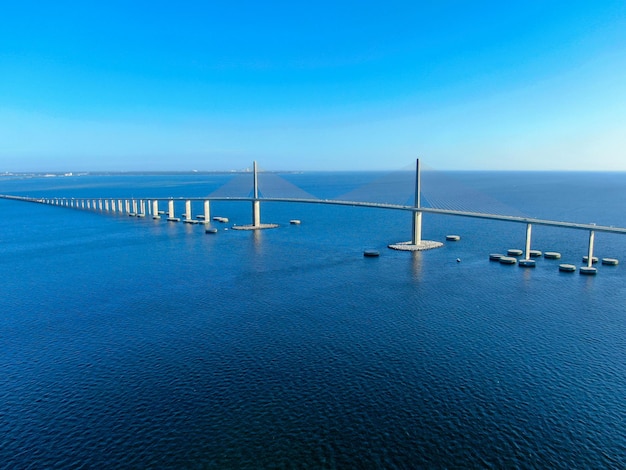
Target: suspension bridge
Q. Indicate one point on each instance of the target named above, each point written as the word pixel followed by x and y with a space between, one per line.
pixel 154 207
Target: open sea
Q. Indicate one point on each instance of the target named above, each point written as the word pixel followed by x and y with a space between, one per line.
pixel 138 343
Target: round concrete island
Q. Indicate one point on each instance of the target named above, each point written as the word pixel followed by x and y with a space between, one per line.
pixel 594 259
pixel 527 263
pixel 495 256
pixel 610 261
pixel 453 238
pixel 535 253
pixel 552 255
pixel 567 268
pixel 508 260
pixel 514 252
pixel 371 253
pixel 588 270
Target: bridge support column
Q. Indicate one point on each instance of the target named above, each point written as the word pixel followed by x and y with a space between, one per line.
pixel 155 210
pixel 100 204
pixel 188 211
pixel 170 211
pixel 207 211
pixel 135 206
pixel 142 208
pixel 106 205
pixel 256 213
pixel 590 252
pixel 256 204
pixel 529 229
pixel 417 228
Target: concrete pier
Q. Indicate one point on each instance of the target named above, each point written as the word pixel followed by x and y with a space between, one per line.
pixel 170 212
pixel 527 262
pixel 589 269
pixel 106 205
pixel 134 204
pixel 529 229
pixel 155 210
pixel 142 208
pixel 207 212
pixel 127 206
pixel 187 213
pixel 592 235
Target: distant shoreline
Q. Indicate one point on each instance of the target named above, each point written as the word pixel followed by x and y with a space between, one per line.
pixel 65 174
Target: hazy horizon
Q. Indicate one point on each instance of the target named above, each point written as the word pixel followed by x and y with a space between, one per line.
pixel 120 87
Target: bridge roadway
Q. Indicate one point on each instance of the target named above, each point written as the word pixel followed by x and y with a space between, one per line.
pixel 378 205
pixel 476 215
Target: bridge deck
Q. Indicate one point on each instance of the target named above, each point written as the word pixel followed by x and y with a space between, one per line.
pixel 476 215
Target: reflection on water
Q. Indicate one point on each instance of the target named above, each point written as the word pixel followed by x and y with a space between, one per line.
pixel 416 265
pixel 257 238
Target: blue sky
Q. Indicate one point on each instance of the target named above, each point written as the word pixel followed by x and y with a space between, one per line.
pixel 210 85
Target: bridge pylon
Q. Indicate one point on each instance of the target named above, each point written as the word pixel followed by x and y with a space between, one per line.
pixel 256 206
pixel 416 243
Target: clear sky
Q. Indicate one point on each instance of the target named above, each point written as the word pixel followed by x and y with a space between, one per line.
pixel 328 85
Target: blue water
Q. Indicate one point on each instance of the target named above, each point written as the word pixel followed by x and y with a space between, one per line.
pixel 137 343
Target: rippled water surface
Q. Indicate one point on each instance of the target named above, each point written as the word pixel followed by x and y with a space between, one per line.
pixel 139 343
